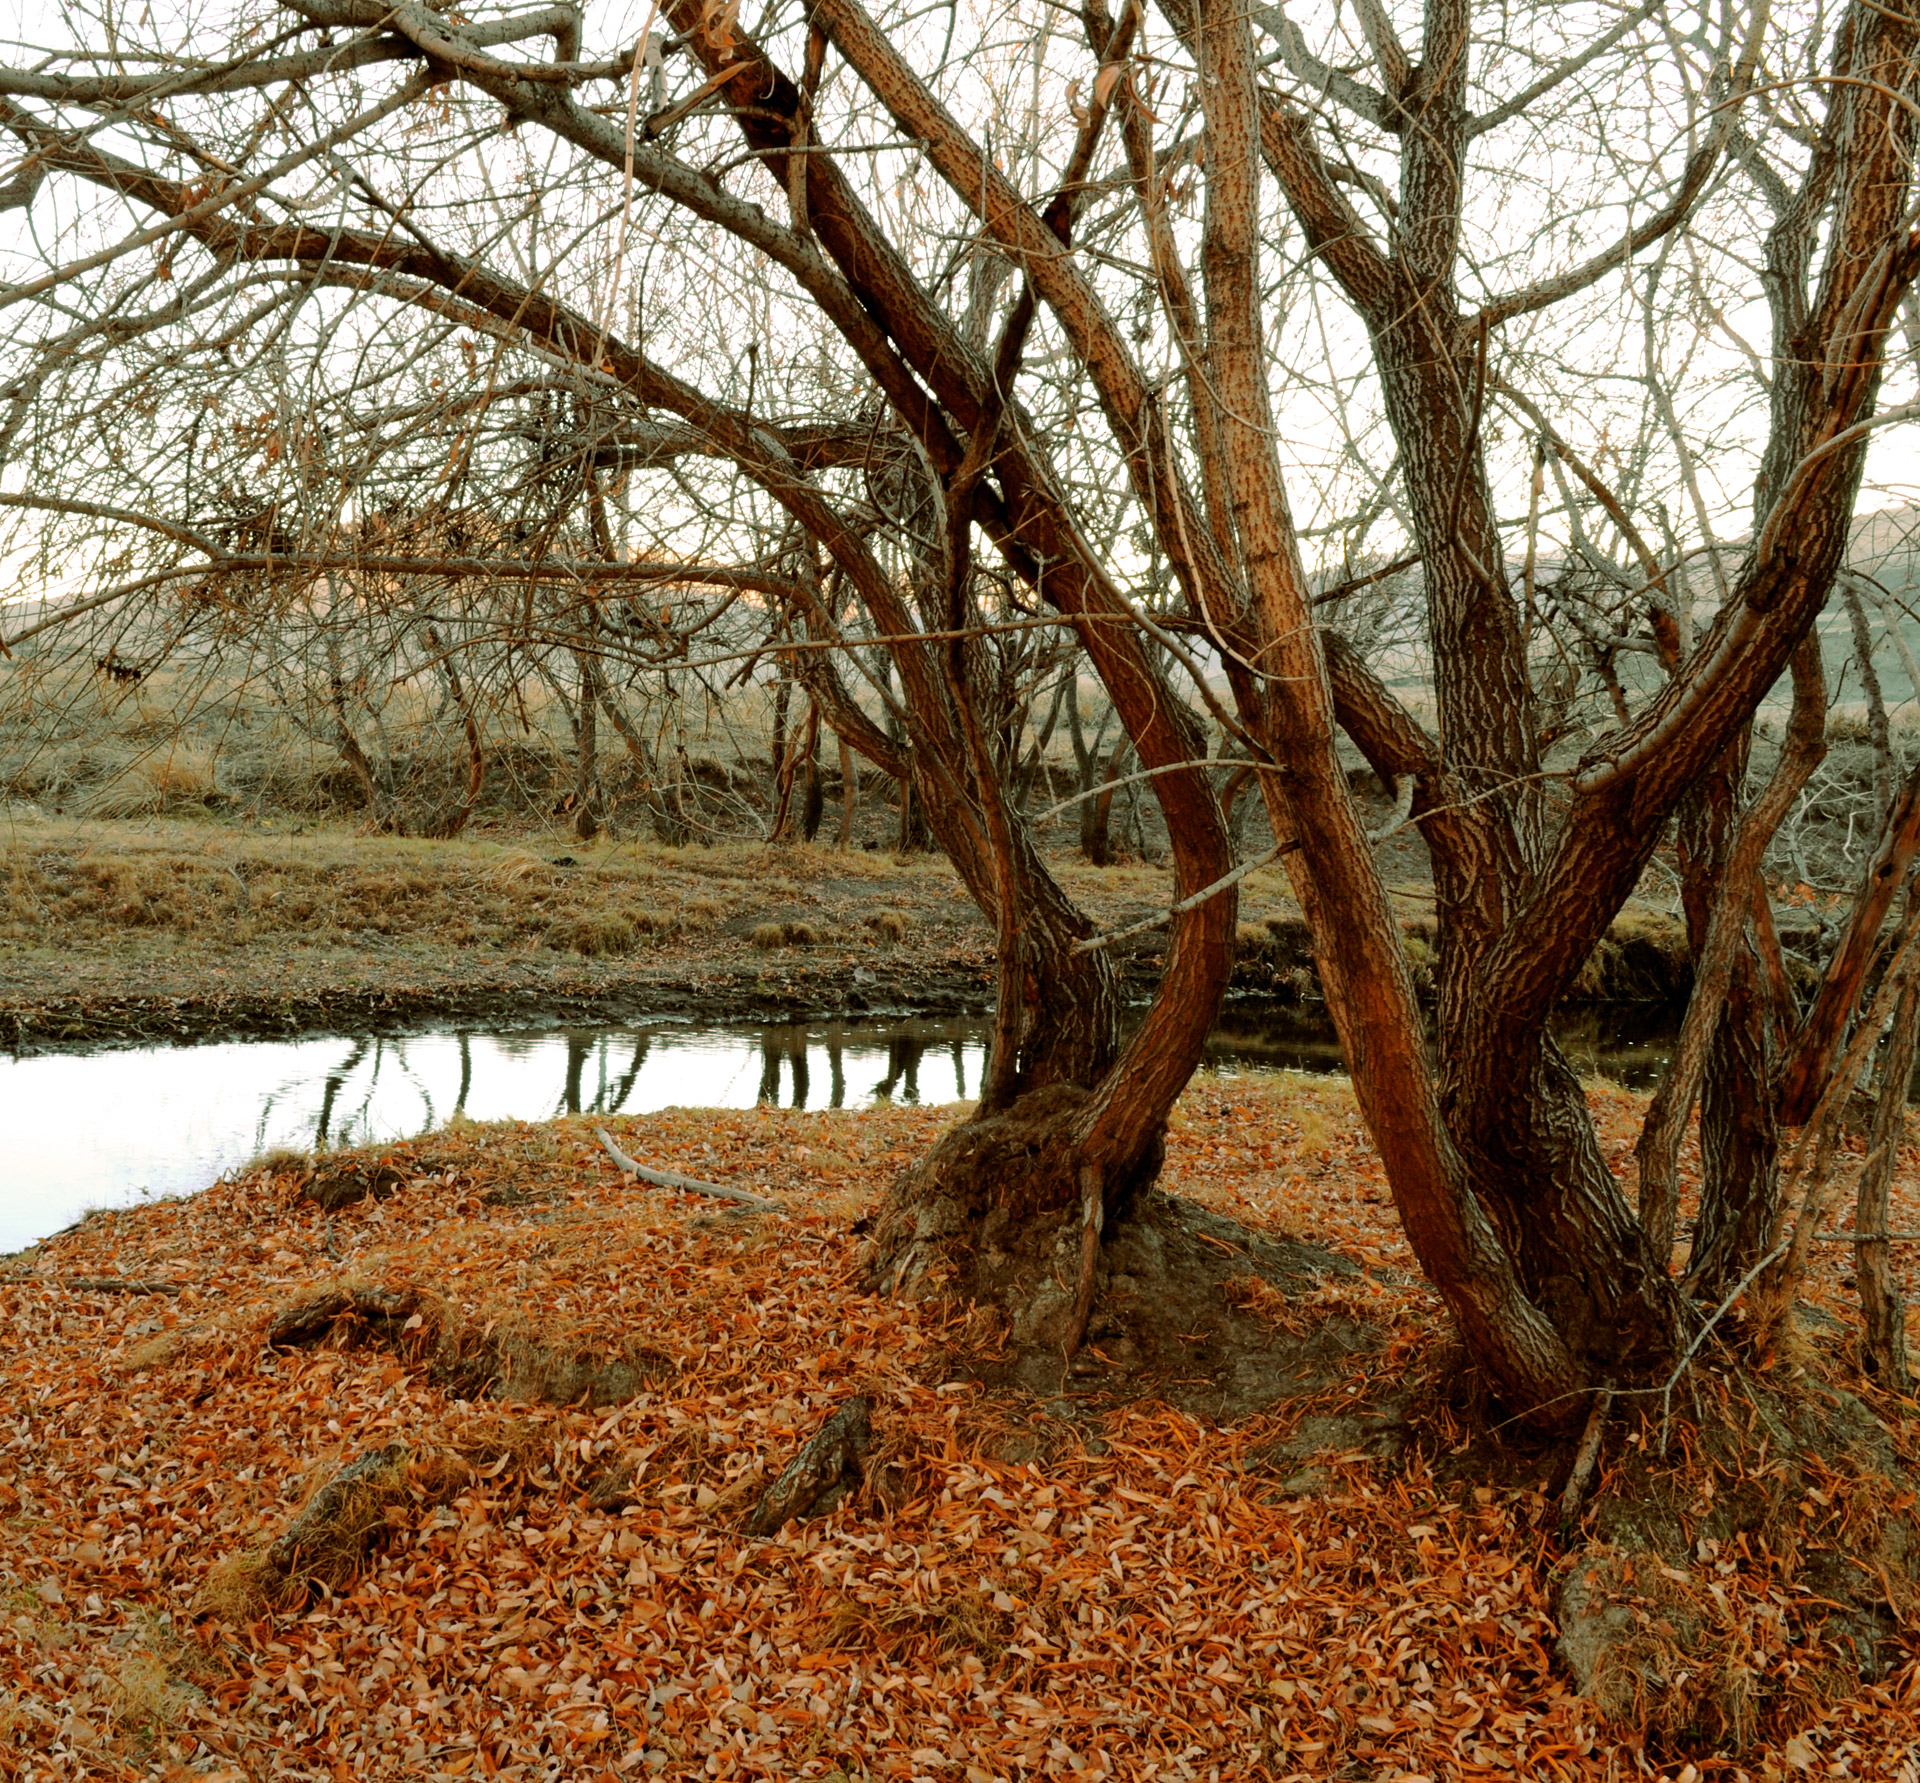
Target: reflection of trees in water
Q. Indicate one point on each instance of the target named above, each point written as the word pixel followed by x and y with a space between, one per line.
pixel 330 1092
pixel 520 1045
pixel 623 1088
pixel 902 1081
pixel 599 1069
pixel 610 1094
pixel 790 1045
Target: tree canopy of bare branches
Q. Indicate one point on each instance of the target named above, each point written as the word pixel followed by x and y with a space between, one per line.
pixel 1483 393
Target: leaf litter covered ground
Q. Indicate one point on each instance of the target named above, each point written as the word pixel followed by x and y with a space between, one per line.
pixel 554 1591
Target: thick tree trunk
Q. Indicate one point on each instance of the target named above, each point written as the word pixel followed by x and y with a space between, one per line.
pixel 849 793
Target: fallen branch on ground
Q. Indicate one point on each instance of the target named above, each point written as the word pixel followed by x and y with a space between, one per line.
pixel 98 1284
pixel 672 1179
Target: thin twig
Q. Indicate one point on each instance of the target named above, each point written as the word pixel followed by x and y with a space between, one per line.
pixel 1700 1337
pixel 1094 943
pixel 672 1179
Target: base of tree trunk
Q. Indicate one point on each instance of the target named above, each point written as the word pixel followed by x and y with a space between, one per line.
pixel 1189 1306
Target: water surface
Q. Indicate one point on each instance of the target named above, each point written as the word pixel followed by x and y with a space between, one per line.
pixel 115 1127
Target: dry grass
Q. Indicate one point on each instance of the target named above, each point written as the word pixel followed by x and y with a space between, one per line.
pixel 106 885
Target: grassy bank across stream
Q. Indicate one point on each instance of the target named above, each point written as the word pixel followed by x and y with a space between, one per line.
pixel 176 928
pixel 288 1496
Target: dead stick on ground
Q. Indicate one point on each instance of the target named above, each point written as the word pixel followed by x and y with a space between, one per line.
pixel 1586 1455
pixel 672 1179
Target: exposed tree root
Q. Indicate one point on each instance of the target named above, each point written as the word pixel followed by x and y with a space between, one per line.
pixel 500 1359
pixel 826 1468
pixel 1765 1568
pixel 325 1543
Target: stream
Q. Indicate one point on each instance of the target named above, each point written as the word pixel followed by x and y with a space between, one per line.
pixel 113 1128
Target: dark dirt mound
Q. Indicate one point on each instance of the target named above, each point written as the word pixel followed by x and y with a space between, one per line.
pixel 1189 1306
pixel 332 1186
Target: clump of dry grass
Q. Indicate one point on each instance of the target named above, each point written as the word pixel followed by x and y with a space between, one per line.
pixel 145 1701
pixel 768 936
pixel 594 937
pixel 170 780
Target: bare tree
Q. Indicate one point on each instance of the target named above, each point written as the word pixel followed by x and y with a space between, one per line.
pixel 914 344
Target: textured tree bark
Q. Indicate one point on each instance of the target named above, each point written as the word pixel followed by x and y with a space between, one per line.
pixel 1495 1168
pixel 1883 1311
pixel 1723 1052
pixel 586 783
pixel 849 793
pixel 814 801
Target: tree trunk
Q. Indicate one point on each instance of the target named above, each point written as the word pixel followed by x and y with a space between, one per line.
pixel 849 793
pixel 1824 1028
pixel 913 835
pixel 586 784
pixel 1097 813
pixel 814 804
pixel 452 821
pixel 1883 1312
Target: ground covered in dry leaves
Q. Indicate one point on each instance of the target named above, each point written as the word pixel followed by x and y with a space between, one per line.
pixel 565 1592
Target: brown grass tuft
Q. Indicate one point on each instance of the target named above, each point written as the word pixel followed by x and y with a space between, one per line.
pixel 593 937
